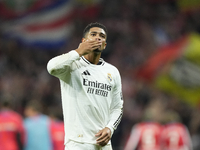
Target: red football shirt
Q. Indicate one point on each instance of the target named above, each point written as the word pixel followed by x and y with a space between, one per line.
pixel 11 126
pixel 57 134
pixel 145 136
pixel 175 136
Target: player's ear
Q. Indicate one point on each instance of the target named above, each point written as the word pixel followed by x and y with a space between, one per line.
pixel 83 39
pixel 105 45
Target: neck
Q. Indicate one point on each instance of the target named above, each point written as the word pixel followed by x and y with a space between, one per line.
pixel 93 57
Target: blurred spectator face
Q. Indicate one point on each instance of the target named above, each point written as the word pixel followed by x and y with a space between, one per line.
pixel 30 112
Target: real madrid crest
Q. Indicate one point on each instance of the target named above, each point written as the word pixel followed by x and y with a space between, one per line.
pixel 109 77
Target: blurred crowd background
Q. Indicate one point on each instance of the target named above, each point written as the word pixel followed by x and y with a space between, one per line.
pixel 137 30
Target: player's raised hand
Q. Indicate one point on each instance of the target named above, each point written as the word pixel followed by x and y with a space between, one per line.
pixel 104 136
pixel 88 46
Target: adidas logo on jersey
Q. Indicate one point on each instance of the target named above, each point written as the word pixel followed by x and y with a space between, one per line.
pixel 86 72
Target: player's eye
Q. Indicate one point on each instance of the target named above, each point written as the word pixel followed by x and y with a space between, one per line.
pixel 103 36
pixel 93 34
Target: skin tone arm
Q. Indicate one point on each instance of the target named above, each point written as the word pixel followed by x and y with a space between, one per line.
pixel 104 136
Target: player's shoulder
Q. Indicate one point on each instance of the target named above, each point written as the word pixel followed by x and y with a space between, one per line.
pixel 111 66
pixel 14 114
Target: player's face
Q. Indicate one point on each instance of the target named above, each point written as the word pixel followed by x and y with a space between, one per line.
pixel 98 34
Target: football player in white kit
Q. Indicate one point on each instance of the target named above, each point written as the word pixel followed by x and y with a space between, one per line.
pixel 91 92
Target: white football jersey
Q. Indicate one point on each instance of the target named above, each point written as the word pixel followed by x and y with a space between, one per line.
pixel 91 95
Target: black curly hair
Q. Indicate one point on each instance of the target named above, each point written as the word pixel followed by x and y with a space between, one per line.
pixel 91 25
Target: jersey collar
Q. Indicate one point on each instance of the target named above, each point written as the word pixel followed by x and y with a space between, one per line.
pixel 101 61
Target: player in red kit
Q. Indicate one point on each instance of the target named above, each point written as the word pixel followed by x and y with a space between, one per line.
pixel 12 133
pixel 57 129
pixel 175 135
pixel 144 136
pixel 57 134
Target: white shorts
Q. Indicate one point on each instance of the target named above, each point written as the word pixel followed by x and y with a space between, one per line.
pixel 72 145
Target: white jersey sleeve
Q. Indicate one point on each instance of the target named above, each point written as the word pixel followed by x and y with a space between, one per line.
pixel 116 105
pixel 61 65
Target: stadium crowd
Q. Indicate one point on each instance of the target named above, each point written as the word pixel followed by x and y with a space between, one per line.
pixel 135 30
